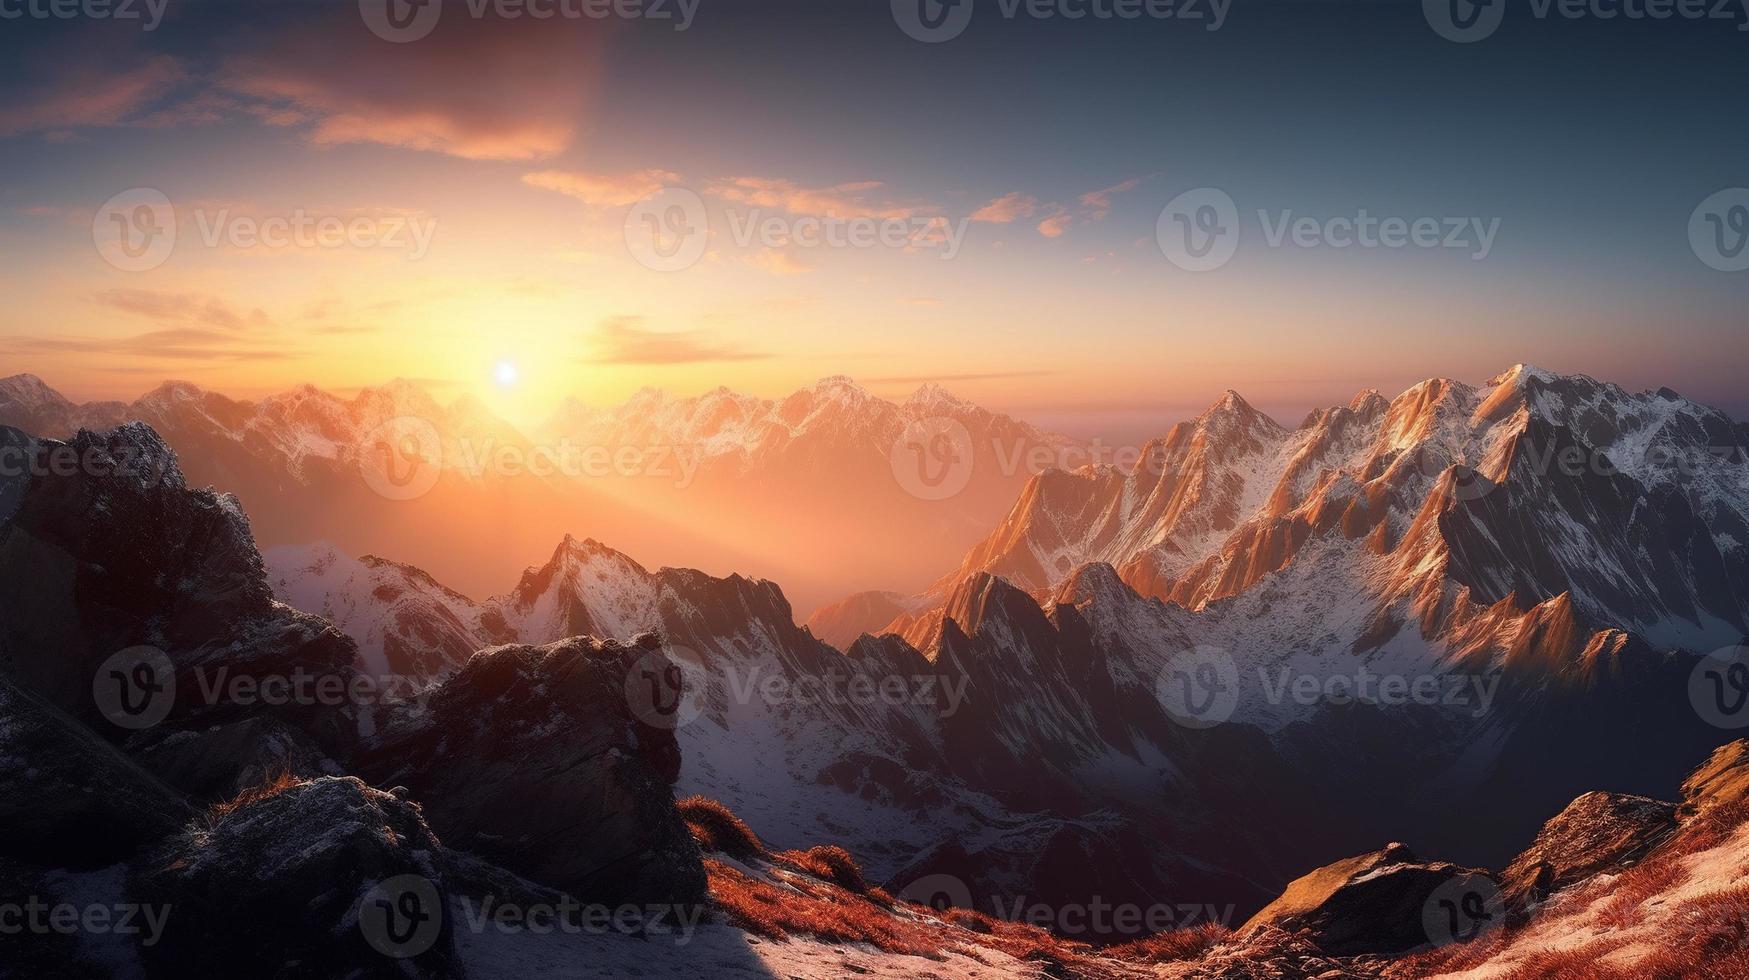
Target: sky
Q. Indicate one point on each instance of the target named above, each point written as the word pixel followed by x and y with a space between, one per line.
pixel 528 209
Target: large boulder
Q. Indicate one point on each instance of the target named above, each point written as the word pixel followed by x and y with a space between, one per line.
pixel 532 758
pixel 116 578
pixel 1385 903
pixel 68 798
pixel 1597 832
pixel 326 878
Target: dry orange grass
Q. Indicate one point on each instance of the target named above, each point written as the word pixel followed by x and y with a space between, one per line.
pixel 827 913
pixel 1173 946
pixel 274 784
pixel 716 828
pixel 833 864
pixel 1020 940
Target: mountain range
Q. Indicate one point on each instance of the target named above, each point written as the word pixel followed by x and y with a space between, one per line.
pixel 538 772
pixel 723 480
pixel 1433 619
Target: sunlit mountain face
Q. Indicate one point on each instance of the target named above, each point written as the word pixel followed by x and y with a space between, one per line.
pixel 964 488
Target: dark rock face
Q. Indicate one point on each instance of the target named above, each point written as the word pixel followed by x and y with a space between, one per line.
pixel 530 757
pixel 1597 832
pixel 69 799
pixel 217 763
pixel 114 552
pixel 1376 903
pixel 294 885
pixel 1645 556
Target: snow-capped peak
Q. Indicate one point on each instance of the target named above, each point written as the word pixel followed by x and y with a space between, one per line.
pixel 27 391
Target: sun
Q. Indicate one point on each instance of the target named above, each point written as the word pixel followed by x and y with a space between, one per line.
pixel 506 374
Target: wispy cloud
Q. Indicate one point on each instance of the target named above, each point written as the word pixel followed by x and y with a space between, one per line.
pixel 89 92
pixel 779 262
pixel 843 201
pixel 625 340
pixel 164 345
pixel 502 90
pixel 1007 208
pixel 602 190
pixel 1098 203
pixel 180 308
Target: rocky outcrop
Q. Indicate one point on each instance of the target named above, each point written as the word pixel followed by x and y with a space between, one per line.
pixel 1722 781
pixel 327 878
pixel 68 798
pixel 1377 903
pixel 1596 833
pixel 531 757
pixel 115 553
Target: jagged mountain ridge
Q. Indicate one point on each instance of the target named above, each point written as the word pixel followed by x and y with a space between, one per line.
pixel 1636 507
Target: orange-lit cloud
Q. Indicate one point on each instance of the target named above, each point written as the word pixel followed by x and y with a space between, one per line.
pixel 841 201
pixel 779 262
pixel 625 340
pixel 502 90
pixel 1055 223
pixel 180 308
pixel 1098 202
pixel 602 190
pixel 89 93
pixel 1007 208
pixel 189 345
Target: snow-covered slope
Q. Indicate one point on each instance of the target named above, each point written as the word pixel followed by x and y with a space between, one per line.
pixel 1533 486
